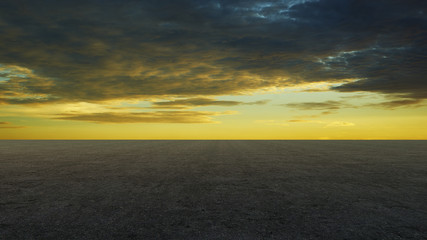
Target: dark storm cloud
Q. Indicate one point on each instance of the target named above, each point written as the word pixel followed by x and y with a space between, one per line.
pixel 101 50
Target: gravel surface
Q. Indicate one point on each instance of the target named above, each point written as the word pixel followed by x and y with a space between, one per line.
pixel 213 189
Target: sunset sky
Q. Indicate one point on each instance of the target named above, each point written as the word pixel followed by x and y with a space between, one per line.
pixel 202 69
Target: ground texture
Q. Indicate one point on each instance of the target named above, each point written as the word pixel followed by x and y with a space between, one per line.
pixel 213 189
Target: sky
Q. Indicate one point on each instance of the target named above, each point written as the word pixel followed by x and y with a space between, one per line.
pixel 213 69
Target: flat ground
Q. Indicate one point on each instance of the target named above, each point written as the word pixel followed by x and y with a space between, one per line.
pixel 213 189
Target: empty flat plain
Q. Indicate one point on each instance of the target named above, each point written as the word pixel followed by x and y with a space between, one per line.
pixel 213 189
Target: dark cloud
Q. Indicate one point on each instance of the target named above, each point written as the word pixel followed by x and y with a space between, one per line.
pixel 316 115
pixel 198 102
pixel 101 50
pixel 193 102
pixel 327 105
pixel 398 103
pixel 332 106
pixel 24 100
pixel 145 117
pixel 260 102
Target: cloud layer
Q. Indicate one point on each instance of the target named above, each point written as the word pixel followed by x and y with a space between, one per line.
pixel 145 117
pixel 8 125
pixel 72 51
pixel 198 102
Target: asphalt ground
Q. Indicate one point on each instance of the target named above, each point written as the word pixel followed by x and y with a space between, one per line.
pixel 213 189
